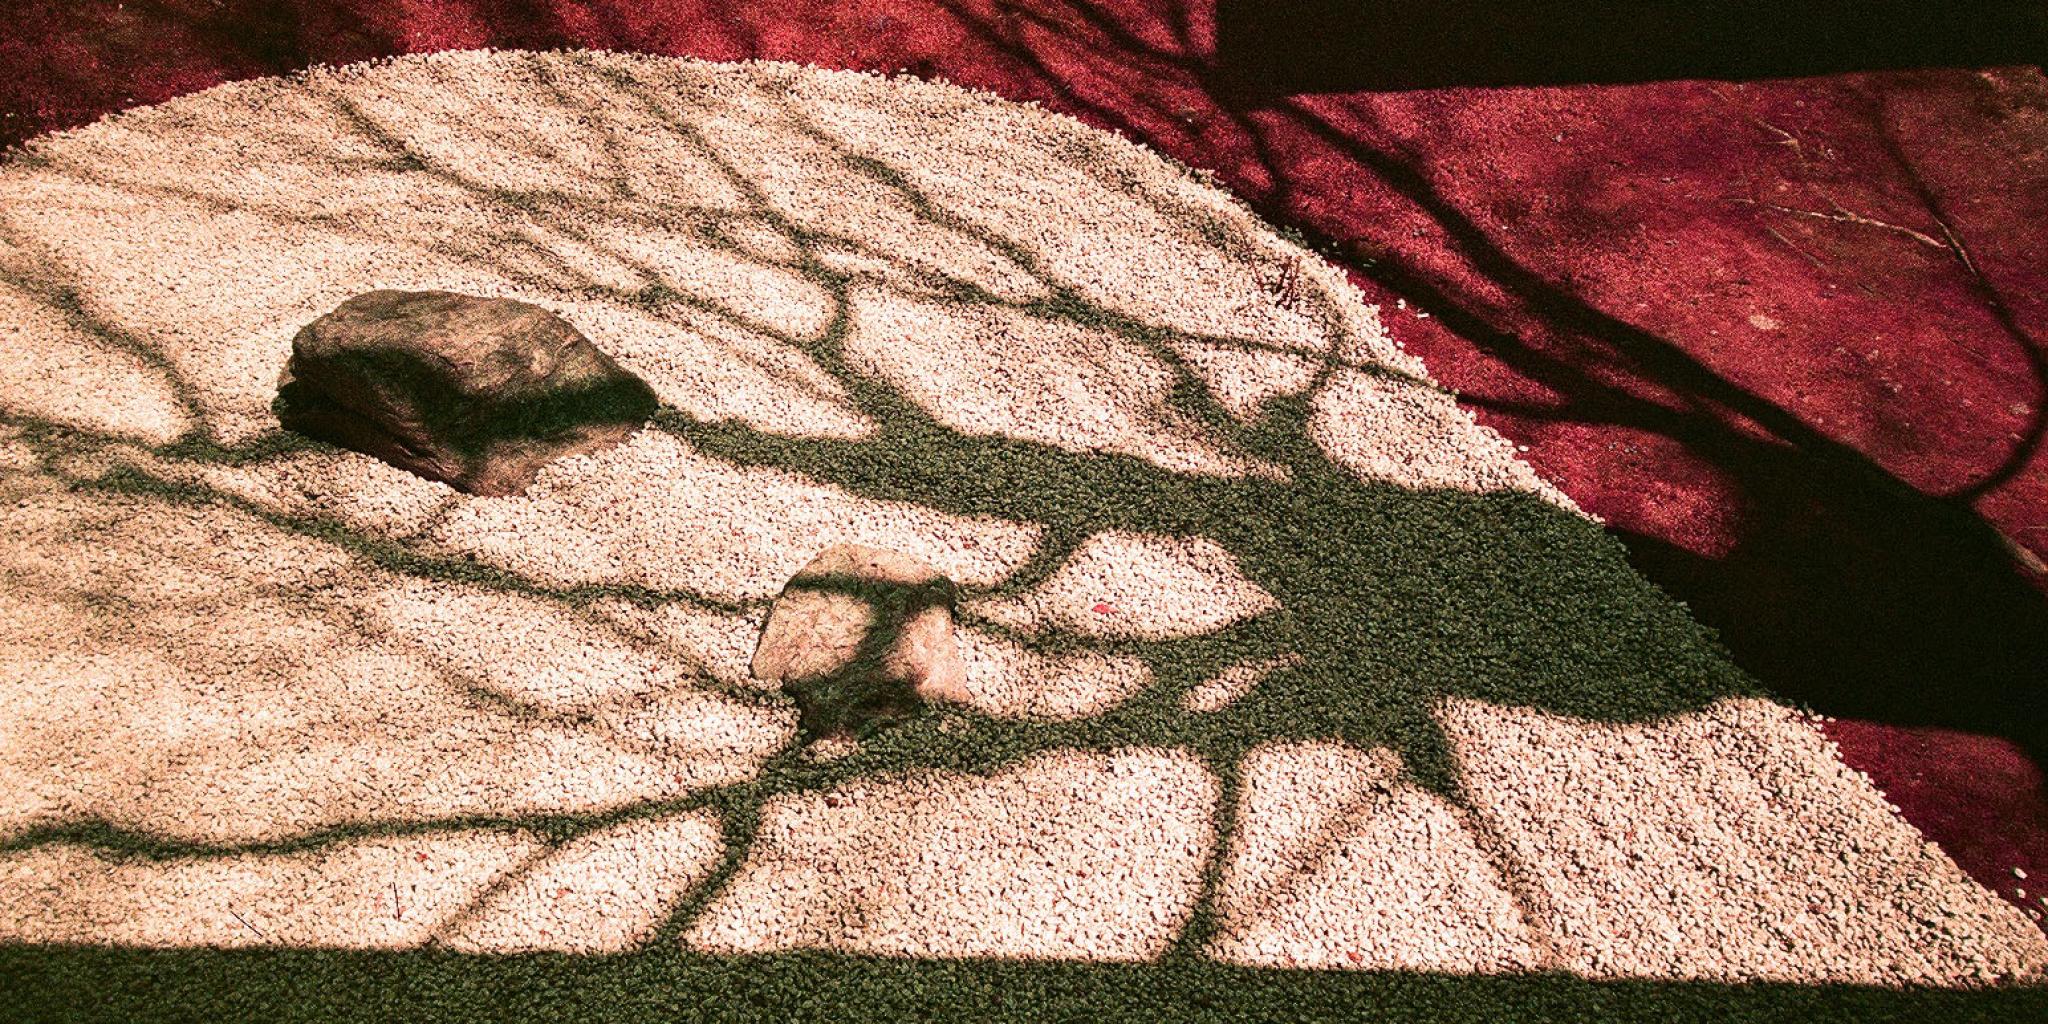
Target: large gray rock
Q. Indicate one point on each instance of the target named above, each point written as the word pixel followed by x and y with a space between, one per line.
pixel 478 392
pixel 859 636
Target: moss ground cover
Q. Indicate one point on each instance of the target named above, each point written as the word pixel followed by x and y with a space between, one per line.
pixel 124 985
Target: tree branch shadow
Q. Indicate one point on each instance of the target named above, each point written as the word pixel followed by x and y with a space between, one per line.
pixel 1393 598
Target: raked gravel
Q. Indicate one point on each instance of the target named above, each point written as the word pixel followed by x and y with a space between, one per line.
pixel 257 693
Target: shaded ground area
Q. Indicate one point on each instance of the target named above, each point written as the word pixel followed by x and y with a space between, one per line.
pixel 1783 335
pixel 1329 45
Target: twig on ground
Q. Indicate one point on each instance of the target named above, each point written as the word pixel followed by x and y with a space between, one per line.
pixel 1844 215
pixel 1780 236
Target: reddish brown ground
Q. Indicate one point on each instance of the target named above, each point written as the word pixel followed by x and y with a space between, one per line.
pixel 1783 333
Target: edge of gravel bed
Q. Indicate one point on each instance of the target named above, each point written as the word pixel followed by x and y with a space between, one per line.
pixel 99 984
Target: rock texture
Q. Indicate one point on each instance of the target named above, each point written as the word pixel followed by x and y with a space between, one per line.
pixel 861 635
pixel 480 393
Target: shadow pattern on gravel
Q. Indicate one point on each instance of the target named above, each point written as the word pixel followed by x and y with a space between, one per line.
pixel 1392 600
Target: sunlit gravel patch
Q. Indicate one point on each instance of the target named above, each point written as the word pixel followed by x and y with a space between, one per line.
pixel 1069 856
pixel 1756 854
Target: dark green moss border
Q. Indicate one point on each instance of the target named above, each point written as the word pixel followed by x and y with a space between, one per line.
pixel 54 983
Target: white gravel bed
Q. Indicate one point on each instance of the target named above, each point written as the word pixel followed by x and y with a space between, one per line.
pixel 258 694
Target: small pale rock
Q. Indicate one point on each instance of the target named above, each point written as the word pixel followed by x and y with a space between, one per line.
pixel 861 635
pixel 479 393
